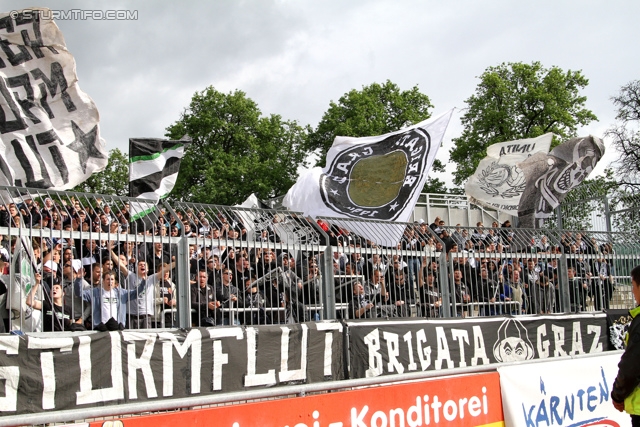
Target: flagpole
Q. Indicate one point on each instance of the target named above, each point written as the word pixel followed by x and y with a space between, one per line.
pixel 130 167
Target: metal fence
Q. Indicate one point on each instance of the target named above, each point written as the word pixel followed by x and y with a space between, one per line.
pixel 526 271
pixel 455 209
pixel 76 261
pixel 260 266
pixel 599 206
pixel 181 265
pixel 73 261
pixel 374 276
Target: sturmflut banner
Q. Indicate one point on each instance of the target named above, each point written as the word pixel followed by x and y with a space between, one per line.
pixel 73 371
pixel 50 137
pixel 374 178
pixel 396 347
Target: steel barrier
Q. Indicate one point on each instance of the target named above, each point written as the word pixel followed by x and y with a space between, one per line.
pixel 185 265
pixel 545 271
pixel 286 392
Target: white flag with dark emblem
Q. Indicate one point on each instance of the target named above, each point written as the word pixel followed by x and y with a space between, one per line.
pixel 153 170
pixel 498 182
pixel 50 137
pixel 375 178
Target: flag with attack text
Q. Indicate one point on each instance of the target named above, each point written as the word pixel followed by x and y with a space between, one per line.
pixel 49 131
pixel 498 182
pixel 374 178
pixel 524 179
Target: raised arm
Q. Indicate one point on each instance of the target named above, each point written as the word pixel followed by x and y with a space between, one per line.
pixel 116 260
pixel 31 301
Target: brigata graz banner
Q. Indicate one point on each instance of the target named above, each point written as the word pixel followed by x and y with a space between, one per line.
pixel 63 372
pixel 396 347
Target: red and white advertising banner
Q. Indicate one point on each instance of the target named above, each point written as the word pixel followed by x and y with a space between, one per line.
pixel 462 401
pixel 565 393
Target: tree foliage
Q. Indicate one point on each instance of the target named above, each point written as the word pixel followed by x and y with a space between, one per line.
pixel 113 180
pixel 375 110
pixel 515 101
pixel 586 204
pixel 600 202
pixel 235 150
pixel 626 136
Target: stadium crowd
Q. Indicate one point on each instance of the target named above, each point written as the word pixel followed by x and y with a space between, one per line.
pixel 124 275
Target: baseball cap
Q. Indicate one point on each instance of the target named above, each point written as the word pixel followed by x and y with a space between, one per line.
pixel 53 266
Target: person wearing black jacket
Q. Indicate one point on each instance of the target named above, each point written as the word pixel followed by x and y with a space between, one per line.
pixel 254 299
pixel 625 393
pixel 360 307
pixel 489 292
pixel 578 291
pixel 430 297
pixel 401 295
pixel 56 316
pixel 205 303
pixel 294 310
pixel 230 296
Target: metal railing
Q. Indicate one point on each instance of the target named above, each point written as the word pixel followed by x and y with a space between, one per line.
pixel 455 209
pixel 387 273
pixel 187 265
pixel 545 271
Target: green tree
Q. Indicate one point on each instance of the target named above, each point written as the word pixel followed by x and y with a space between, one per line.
pixel 626 136
pixel 235 151
pixel 515 101
pixel 113 180
pixel 586 203
pixel 435 185
pixel 375 110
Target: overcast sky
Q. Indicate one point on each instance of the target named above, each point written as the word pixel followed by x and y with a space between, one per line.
pixel 294 57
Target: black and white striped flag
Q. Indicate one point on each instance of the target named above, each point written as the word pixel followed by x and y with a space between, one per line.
pixel 153 170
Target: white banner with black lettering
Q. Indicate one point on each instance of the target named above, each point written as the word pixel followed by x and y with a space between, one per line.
pixel 107 368
pixel 50 137
pixel 562 393
pixel 396 347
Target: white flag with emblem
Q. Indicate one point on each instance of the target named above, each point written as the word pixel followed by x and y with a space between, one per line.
pixel 49 130
pixel 375 178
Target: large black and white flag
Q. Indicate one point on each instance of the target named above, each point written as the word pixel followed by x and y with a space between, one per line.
pixel 153 170
pixel 375 178
pixel 498 182
pixel 549 177
pixel 49 132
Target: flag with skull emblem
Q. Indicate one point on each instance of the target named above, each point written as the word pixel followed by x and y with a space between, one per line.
pixel 498 182
pixel 524 179
pixel 549 177
pixel 375 178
